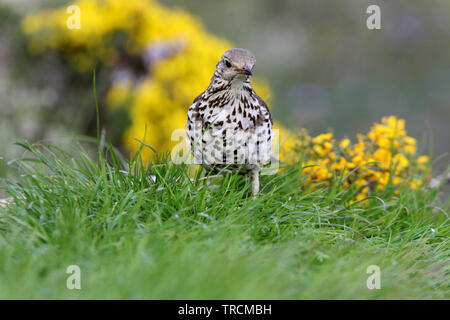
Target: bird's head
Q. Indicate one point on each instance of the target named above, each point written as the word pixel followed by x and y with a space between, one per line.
pixel 237 64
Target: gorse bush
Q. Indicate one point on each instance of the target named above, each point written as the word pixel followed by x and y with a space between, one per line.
pixel 176 57
pixel 178 53
pixel 384 157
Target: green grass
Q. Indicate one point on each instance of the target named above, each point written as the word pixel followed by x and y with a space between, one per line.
pixel 179 238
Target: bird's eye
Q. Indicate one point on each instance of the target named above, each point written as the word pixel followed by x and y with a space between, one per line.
pixel 228 64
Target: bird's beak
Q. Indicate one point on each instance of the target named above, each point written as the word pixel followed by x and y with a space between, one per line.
pixel 247 71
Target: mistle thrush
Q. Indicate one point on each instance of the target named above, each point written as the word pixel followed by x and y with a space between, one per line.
pixel 229 127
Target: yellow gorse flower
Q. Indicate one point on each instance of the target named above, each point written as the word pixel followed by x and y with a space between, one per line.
pixel 384 157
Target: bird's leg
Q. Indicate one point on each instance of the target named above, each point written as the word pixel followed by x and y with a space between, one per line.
pixel 255 182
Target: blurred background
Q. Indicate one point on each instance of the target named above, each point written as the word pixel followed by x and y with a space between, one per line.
pixel 318 66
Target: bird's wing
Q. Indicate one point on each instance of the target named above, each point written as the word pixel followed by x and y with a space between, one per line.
pixel 264 131
pixel 264 109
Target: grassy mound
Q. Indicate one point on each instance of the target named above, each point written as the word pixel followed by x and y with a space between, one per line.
pixel 155 231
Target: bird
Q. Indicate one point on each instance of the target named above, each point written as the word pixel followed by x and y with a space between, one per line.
pixel 229 127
